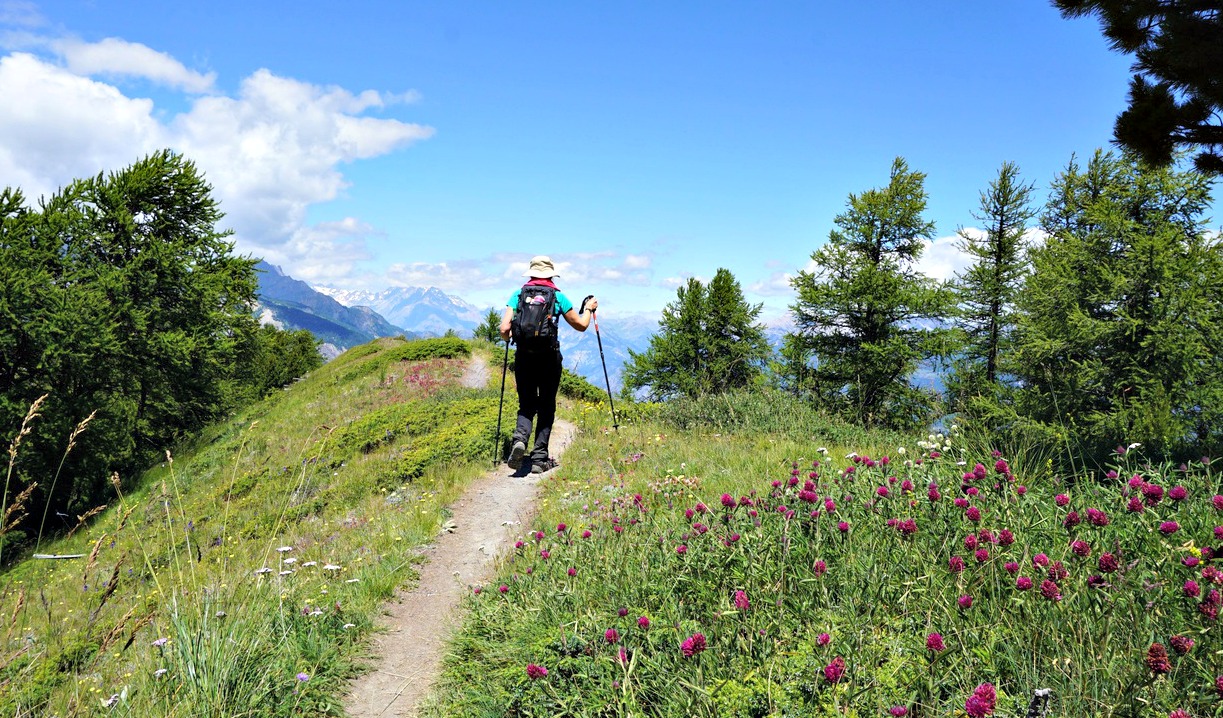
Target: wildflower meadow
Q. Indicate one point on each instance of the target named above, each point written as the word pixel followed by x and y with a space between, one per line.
pixel 763 566
pixel 716 575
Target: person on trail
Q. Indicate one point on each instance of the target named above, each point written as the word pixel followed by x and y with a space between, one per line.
pixel 531 318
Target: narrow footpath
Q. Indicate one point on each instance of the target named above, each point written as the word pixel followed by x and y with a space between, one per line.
pixel 407 657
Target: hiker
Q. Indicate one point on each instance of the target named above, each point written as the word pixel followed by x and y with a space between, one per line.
pixel 531 319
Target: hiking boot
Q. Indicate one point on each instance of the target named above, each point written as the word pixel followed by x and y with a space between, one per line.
pixel 539 466
pixel 517 451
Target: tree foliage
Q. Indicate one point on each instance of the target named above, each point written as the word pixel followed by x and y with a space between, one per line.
pixel 987 289
pixel 1121 317
pixel 119 294
pixel 864 310
pixel 708 342
pixel 490 329
pixel 1176 94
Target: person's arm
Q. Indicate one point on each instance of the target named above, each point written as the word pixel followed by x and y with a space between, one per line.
pixel 581 321
pixel 506 318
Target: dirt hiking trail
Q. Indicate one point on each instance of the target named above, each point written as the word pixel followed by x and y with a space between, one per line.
pixel 407 658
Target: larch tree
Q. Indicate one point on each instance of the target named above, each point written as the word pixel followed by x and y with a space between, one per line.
pixel 708 342
pixel 1176 94
pixel 986 290
pixel 866 312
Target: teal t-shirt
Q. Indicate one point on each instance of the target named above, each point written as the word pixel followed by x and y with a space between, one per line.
pixel 560 307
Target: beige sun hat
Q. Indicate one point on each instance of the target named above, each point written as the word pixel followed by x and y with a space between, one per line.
pixel 541 268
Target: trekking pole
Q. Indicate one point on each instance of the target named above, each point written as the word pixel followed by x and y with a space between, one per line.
pixel 505 363
pixel 599 338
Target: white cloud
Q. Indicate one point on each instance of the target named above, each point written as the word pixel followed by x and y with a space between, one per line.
pixel 460 275
pixel 775 285
pixel 942 259
pixel 270 152
pixel 66 126
pixel 22 13
pixel 115 57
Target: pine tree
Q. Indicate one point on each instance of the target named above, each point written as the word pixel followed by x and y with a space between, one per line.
pixel 708 342
pixel 490 329
pixel 987 288
pixel 1122 315
pixel 861 310
pixel 1178 45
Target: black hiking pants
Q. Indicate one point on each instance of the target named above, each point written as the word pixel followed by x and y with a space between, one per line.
pixel 538 376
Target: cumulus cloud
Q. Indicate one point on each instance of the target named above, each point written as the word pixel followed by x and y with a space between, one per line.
pixel 775 285
pixel 116 57
pixel 270 152
pixel 942 259
pixel 57 126
pixel 460 275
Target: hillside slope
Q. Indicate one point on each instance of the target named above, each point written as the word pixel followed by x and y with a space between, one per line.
pixel 242 575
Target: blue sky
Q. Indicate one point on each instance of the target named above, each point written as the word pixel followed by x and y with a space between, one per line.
pixel 368 144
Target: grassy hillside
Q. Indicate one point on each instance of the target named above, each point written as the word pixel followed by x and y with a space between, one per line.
pixel 241 576
pixel 737 556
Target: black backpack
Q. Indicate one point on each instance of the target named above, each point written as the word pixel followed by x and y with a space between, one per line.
pixel 534 323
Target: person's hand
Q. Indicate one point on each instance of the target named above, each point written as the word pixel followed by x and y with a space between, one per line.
pixel 590 303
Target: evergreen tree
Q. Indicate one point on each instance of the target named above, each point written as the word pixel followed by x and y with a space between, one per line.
pixel 708 342
pixel 1122 315
pixel 118 294
pixel 1176 95
pixel 987 289
pixel 490 329
pixel 861 309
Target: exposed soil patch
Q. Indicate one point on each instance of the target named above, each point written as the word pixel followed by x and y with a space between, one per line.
pixel 407 657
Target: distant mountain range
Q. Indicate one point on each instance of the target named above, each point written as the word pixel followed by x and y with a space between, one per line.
pixel 290 303
pixel 421 310
pixel 342 318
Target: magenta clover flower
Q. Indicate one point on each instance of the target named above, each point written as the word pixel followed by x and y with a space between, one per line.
pixel 535 672
pixel 693 645
pixel 835 671
pixel 934 643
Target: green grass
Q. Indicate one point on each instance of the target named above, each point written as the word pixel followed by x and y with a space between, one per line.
pixel 349 469
pixel 880 597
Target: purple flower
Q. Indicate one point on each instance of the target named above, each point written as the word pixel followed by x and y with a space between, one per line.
pixel 681 549
pixel 1157 659
pixel 1040 560
pixel 535 672
pixel 965 601
pixel 823 639
pixel 898 711
pixel 741 601
pixel 693 645
pixel 1108 562
pixel 833 672
pixel 956 564
pixel 303 677
pixel 1011 567
pixel 843 527
pixel 1181 644
pixel 1023 583
pixel 643 622
pixel 1081 549
pixel 982 701
pixel 819 567
pixel 1168 528
pixel 982 555
pixel 1096 517
pixel 1050 591
pixel 1178 493
pixel 1071 520
pixel 934 643
pixel 611 635
pixel 1191 589
pixel 972 513
pixel 1061 499
pixel 1005 537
